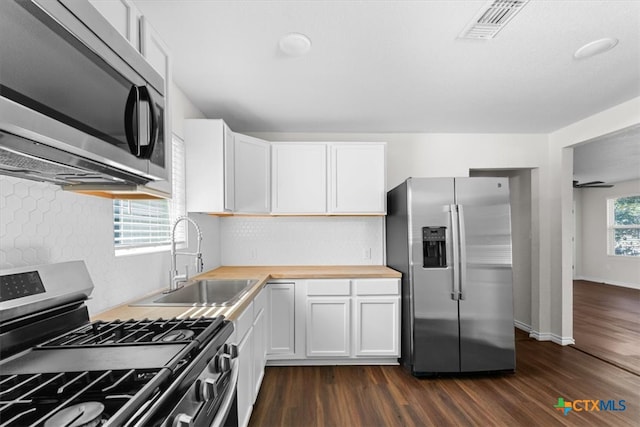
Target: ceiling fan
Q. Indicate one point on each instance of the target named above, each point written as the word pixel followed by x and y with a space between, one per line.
pixel 591 184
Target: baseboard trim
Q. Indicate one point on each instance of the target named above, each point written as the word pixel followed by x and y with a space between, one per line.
pixel 333 362
pixel 522 326
pixel 609 282
pixel 548 336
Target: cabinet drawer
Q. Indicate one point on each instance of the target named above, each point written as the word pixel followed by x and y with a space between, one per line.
pixel 377 287
pixel 329 287
pixel 244 322
pixel 259 302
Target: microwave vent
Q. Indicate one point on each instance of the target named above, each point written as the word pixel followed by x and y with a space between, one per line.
pixel 492 18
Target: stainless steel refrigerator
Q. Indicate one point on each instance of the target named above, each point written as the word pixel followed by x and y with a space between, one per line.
pixel 451 239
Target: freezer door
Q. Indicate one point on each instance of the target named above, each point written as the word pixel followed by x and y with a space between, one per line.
pixel 434 325
pixel 486 305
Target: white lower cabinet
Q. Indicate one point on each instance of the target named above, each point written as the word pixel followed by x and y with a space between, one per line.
pixel 280 320
pixel 250 338
pixel 328 326
pixel 377 331
pixel 244 336
pixel 357 318
pixel 259 342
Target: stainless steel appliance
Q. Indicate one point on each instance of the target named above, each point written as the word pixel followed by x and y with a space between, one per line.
pixel 451 239
pixel 58 369
pixel 78 104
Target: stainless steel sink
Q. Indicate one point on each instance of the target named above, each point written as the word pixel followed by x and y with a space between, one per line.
pixel 205 293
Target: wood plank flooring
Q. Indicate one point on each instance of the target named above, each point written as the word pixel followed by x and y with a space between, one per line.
pixel 389 396
pixel 606 322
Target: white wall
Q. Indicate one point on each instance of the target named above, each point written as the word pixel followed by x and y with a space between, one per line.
pixel 42 224
pixel 556 217
pixel 595 264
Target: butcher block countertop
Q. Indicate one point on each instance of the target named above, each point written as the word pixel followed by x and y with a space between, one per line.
pixel 260 273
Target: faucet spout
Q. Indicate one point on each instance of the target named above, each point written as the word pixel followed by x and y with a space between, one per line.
pixel 174 278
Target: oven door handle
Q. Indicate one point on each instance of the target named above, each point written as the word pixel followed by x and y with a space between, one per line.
pixel 227 403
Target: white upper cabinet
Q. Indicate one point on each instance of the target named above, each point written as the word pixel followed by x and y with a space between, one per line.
pixel 357 178
pixel 209 149
pixel 299 177
pixel 230 172
pixel 123 15
pixel 252 174
pixel 329 178
pixel 155 50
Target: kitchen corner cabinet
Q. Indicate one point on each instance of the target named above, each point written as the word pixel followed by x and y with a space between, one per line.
pixel 299 177
pixel 357 178
pixel 252 174
pixel 210 166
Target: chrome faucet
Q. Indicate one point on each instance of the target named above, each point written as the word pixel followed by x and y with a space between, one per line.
pixel 174 278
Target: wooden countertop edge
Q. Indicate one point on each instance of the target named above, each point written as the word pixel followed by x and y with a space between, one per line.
pixel 261 274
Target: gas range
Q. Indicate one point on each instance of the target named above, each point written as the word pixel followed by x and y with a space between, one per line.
pixel 59 369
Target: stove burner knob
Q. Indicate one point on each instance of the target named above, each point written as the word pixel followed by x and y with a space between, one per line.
pixel 205 389
pixel 220 364
pixel 231 350
pixel 183 420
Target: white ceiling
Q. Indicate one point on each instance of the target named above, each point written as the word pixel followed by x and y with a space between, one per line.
pixel 399 66
pixel 609 158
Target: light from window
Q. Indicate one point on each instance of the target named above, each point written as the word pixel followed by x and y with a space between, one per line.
pixel 624 226
pixel 147 223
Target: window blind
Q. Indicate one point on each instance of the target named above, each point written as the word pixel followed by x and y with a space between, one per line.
pixel 147 223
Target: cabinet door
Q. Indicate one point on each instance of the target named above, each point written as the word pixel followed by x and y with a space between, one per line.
pixel 245 379
pixel 328 325
pixel 252 175
pixel 123 16
pixel 299 173
pixel 209 165
pixel 377 327
pixel 259 353
pixel 281 318
pixel 358 178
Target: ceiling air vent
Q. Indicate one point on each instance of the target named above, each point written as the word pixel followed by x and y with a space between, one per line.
pixel 492 18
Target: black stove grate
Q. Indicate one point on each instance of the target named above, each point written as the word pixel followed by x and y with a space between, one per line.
pixel 32 399
pixel 145 331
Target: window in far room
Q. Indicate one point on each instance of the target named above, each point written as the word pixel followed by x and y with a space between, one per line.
pixel 624 226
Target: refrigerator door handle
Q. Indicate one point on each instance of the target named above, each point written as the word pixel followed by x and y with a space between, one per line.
pixel 453 217
pixel 463 252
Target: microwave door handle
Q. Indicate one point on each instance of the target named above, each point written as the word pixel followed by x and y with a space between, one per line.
pixel 132 122
pixel 131 125
pixel 147 149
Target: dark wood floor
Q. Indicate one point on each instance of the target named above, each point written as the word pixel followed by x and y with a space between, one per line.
pixel 388 396
pixel 606 322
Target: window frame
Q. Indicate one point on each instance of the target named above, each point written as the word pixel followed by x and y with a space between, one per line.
pixel 612 227
pixel 176 207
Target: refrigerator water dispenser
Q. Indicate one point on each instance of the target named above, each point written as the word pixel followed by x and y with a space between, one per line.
pixel 434 253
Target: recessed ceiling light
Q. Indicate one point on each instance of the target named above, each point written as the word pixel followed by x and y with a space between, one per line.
pixel 595 47
pixel 295 44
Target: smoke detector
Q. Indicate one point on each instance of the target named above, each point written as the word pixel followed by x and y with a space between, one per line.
pixel 492 18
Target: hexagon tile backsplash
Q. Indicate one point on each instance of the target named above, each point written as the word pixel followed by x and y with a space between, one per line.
pixel 42 224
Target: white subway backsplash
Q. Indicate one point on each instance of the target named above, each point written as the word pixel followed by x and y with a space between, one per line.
pixel 333 240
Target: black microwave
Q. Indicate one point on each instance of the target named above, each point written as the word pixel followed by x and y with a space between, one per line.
pixel 78 103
